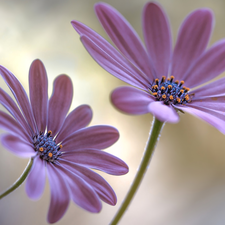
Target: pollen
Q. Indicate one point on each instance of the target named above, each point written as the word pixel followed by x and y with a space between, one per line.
pixel 170 91
pixel 46 147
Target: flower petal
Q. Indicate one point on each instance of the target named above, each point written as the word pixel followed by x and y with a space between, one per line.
pixel 109 59
pixel 124 36
pixel 60 196
pixel 212 89
pixel 131 100
pixel 98 183
pixel 208 116
pixel 208 66
pixel 192 40
pixel 12 108
pixel 81 192
pixel 35 182
pixel 96 159
pixel 8 124
pixel 163 112
pixel 17 146
pixel 38 85
pixel 99 137
pixel 157 37
pixel 20 96
pixel 59 103
pixel 77 119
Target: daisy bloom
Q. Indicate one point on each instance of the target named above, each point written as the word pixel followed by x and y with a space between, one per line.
pixel 58 143
pixel 164 81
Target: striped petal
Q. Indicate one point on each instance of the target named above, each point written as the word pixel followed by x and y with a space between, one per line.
pixel 38 85
pixel 157 37
pixel 59 103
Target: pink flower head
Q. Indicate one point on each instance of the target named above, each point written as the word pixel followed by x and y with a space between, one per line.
pixel 165 81
pixel 59 143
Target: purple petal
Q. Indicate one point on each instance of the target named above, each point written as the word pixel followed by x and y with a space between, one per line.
pixel 208 66
pixel 124 36
pixel 35 183
pixel 38 85
pixel 101 47
pixel 96 159
pixel 163 112
pixel 215 103
pixel 60 196
pixel 192 40
pixel 207 116
pixel 12 108
pixel 108 58
pixel 99 137
pixel 20 96
pixel 17 146
pixel 131 100
pixel 98 183
pixel 59 103
pixel 157 37
pixel 212 89
pixel 8 124
pixel 81 192
pixel 77 119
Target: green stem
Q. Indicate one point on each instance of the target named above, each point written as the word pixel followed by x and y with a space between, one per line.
pixel 19 181
pixel 152 140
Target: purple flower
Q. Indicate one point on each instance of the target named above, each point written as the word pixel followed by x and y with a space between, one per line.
pixel 60 144
pixel 165 81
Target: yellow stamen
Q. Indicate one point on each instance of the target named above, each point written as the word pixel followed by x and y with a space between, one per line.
pixel 162 88
pixel 186 97
pixel 170 86
pixel 41 149
pixel 171 97
pixel 163 96
pixel 50 154
pixel 178 100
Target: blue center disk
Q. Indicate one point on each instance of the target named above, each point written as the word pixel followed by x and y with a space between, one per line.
pixel 46 147
pixel 170 91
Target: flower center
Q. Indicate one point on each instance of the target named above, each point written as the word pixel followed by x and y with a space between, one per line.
pixel 46 147
pixel 170 91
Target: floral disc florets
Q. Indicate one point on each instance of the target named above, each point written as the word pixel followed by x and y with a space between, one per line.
pixel 47 147
pixel 170 91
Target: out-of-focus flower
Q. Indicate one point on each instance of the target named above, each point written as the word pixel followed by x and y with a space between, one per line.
pixel 39 128
pixel 158 73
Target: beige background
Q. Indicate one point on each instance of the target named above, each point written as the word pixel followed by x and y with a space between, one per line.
pixel 185 183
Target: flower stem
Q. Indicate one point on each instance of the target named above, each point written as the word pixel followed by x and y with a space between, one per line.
pixel 152 140
pixel 19 181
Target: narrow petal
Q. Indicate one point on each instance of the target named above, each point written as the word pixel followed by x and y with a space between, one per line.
pixel 192 40
pixel 99 137
pixel 212 89
pixel 59 103
pixel 60 196
pixel 38 85
pixel 109 59
pixel 12 108
pixel 17 146
pixel 35 182
pixel 8 124
pixel 99 160
pixel 163 112
pixel 20 96
pixel 98 183
pixel 157 37
pixel 208 66
pixel 124 36
pixel 106 47
pixel 81 192
pixel 131 100
pixel 77 119
pixel 206 116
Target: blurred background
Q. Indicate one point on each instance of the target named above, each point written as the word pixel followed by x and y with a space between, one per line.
pixel 185 183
